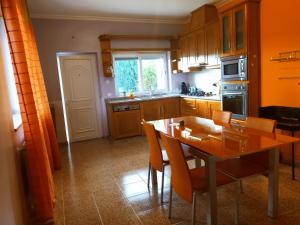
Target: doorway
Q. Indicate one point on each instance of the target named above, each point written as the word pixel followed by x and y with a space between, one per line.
pixel 80 96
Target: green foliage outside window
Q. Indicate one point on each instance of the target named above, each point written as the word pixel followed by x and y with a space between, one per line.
pixel 149 76
pixel 126 74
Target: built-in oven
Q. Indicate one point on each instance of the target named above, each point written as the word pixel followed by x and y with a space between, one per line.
pixel 234 68
pixel 235 100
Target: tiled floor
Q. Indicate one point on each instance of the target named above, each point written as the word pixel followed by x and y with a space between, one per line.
pixel 104 182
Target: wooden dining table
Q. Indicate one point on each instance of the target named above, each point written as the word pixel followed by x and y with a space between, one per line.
pixel 213 142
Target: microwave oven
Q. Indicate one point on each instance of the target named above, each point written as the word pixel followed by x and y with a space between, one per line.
pixel 234 68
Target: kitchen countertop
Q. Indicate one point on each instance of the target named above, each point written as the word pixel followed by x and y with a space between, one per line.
pixel 119 100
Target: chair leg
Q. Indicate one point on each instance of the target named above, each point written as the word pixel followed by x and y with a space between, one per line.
pixel 149 171
pixel 237 205
pixel 170 201
pixel 241 186
pixel 162 184
pixel 194 209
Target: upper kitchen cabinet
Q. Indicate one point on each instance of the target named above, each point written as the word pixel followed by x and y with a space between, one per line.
pixel 236 19
pixel 212 40
pixel 233 31
pixel 107 61
pixel 199 45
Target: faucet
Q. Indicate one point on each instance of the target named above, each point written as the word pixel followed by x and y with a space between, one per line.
pixel 124 93
pixel 150 92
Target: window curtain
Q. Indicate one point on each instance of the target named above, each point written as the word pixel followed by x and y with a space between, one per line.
pixel 40 139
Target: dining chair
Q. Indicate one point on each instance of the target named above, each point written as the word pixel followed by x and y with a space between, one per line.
pixel 253 164
pixel 158 157
pixel 221 117
pixel 187 183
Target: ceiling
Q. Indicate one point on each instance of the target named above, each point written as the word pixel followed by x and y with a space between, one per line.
pixel 158 10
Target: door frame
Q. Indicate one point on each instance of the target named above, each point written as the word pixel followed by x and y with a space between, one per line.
pixel 96 81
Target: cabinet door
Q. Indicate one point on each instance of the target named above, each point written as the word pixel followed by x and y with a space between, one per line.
pixel 170 108
pixel 213 105
pixel 212 39
pixel 188 107
pixel 226 33
pixel 151 110
pixel 184 54
pixel 192 54
pixel 202 108
pixel 239 30
pixel 201 52
pixel 126 124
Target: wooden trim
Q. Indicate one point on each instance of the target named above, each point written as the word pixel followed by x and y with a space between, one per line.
pixel 153 20
pixel 225 5
pixel 137 50
pixel 137 37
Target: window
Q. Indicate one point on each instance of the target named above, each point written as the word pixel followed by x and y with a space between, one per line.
pixel 140 73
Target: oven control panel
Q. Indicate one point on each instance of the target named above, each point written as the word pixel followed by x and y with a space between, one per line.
pixel 234 87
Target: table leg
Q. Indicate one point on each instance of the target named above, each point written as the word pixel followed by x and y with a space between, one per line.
pixel 293 158
pixel 153 176
pixel 273 182
pixel 212 192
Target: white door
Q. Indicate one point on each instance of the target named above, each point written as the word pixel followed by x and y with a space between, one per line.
pixel 80 94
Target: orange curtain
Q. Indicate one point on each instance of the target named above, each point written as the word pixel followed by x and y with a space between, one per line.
pixel 41 144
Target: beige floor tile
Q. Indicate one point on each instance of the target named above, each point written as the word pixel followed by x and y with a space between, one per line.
pixel 115 211
pixel 155 216
pixel 104 180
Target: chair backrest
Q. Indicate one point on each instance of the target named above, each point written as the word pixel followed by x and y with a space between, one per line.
pixel 262 124
pixel 180 174
pixel 265 125
pixel 156 158
pixel 222 117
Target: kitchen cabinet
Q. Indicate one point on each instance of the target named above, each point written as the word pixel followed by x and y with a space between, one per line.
pixel 188 107
pixel 192 49
pixel 233 31
pixel 174 55
pixel 240 35
pixel 107 62
pixel 151 110
pixel 201 50
pixel 200 45
pixel 160 109
pixel 202 108
pixel 205 108
pixel 127 124
pixel 211 106
pixel 212 40
pixel 170 108
pixel 124 120
pixel 184 53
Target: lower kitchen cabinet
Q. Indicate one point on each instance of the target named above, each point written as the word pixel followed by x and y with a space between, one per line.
pixel 160 109
pixel 151 110
pixel 124 119
pixel 205 108
pixel 170 108
pixel 126 124
pixel 213 105
pixel 202 108
pixel 188 107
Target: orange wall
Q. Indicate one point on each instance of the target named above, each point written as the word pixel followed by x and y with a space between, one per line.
pixel 280 31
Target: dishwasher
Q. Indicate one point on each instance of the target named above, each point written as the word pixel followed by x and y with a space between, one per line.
pixel 126 120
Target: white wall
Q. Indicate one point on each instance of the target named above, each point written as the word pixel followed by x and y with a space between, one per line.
pixel 11 194
pixel 203 80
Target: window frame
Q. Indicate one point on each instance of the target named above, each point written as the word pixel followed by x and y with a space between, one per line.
pixel 140 56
